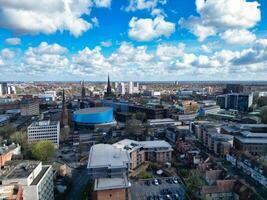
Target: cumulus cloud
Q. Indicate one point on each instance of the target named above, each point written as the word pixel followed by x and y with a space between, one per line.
pixel 148 29
pixel 7 53
pixel 217 16
pixel 13 41
pixel 45 58
pixel 106 43
pixel 103 3
pixel 236 36
pixel 141 5
pixel 47 16
pixel 139 61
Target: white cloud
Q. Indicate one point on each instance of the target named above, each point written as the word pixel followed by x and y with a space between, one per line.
pixel 128 61
pixel 216 16
pixel 45 48
pixel 103 3
pixel 205 48
pixel 169 52
pixel 95 21
pixel 148 29
pixel 141 5
pixel 13 41
pixel 106 43
pixel 7 53
pixel 46 16
pixel 236 36
pixel 90 61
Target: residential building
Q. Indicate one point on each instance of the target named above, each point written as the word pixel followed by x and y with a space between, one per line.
pixel 35 179
pixel 108 169
pixel 141 151
pixel 250 166
pixel 29 107
pixel 44 130
pixel 6 153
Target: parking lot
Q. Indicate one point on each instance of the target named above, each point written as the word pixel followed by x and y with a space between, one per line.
pixel 163 189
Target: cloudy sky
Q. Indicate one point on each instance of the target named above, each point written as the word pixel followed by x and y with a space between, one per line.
pixel 149 40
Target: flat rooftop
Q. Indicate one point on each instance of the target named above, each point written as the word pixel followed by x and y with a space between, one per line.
pixel 252 140
pixel 111 183
pixel 44 123
pixel 40 175
pixel 106 155
pixel 22 169
pixel 92 110
pixel 131 145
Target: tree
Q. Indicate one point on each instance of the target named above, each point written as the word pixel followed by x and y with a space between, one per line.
pixel 264 115
pixel 20 138
pixel 140 116
pixel 261 101
pixel 134 127
pixel 6 131
pixel 43 150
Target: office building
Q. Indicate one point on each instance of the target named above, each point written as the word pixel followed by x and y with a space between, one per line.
pixel 35 179
pixel 44 130
pixel 11 89
pixel 3 89
pixel 121 88
pixel 233 88
pixel 29 107
pixel 130 87
pixel 235 101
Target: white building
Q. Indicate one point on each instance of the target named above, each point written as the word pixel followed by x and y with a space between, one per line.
pixel 36 179
pixel 44 130
pixel 130 87
pixel 121 88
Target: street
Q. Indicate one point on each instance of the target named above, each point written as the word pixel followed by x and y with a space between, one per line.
pixel 80 179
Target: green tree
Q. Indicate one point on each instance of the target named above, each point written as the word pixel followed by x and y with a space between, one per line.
pixel 6 131
pixel 43 150
pixel 20 138
pixel 264 115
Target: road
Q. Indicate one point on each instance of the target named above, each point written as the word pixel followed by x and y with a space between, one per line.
pixel 79 181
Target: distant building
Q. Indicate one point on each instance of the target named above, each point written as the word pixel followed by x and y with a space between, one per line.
pixel 3 89
pixel 44 130
pixel 121 88
pixel 29 108
pixel 11 89
pixel 130 87
pixel 108 93
pixel 83 91
pixel 64 113
pixel 151 112
pixel 233 88
pixel 35 179
pixel 235 101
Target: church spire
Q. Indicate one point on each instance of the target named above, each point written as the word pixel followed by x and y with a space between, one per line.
pixel 108 94
pixel 83 90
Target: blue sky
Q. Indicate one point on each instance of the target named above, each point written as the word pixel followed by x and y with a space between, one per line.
pixel 148 40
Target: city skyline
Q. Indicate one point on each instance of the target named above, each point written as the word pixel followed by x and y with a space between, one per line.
pixel 145 40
